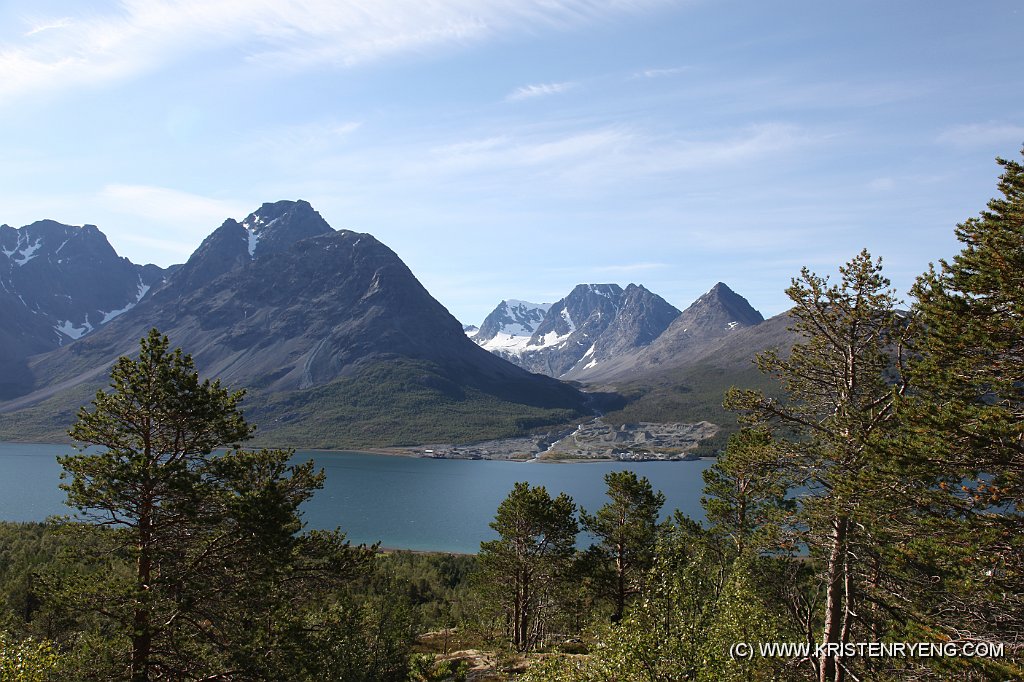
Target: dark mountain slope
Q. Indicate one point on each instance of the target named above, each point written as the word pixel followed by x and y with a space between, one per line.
pixel 58 283
pixel 329 331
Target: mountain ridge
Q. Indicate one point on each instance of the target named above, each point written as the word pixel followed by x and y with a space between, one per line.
pixel 602 332
pixel 300 309
pixel 58 283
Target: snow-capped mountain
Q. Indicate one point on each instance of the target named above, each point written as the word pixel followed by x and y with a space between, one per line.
pixel 510 326
pixel 601 332
pixel 592 323
pixel 58 283
pixel 570 327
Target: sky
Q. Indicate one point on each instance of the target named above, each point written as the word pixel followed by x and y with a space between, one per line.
pixel 516 148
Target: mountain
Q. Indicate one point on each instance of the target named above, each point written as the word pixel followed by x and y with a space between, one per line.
pixel 593 325
pixel 58 283
pixel 641 318
pixel 692 388
pixel 509 327
pixel 333 336
pixel 718 314
pixel 569 328
pixel 601 332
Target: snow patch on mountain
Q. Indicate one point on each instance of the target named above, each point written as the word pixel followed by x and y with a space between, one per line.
pixel 107 317
pixel 502 342
pixel 526 305
pixel 252 231
pixel 551 339
pixel 568 320
pixel 254 239
pixel 255 231
pixel 24 253
pixel 511 325
pixel 73 331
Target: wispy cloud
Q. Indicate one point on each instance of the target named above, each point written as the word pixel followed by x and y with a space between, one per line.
pixel 541 90
pixel 544 153
pixel 190 214
pixel 626 268
pixel 885 184
pixel 302 141
pixel 48 25
pixel 749 142
pixel 140 36
pixel 582 160
pixel 661 73
pixel 984 135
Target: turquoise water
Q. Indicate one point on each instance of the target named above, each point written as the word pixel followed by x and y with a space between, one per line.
pixel 402 502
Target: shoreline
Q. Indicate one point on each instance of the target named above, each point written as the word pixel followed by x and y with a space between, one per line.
pixel 416 452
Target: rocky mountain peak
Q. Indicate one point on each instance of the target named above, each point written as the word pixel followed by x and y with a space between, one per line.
pixel 602 331
pixel 272 228
pixel 720 303
pixel 512 318
pixel 275 226
pixel 640 318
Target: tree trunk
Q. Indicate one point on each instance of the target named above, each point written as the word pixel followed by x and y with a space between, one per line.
pixel 524 614
pixel 829 668
pixel 142 635
pixel 620 584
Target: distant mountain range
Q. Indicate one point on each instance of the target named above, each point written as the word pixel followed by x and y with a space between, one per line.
pixel 339 345
pixel 335 339
pixel 602 333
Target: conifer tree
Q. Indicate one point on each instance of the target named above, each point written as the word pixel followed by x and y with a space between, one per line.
pixel 627 532
pixel 211 537
pixel 525 567
pixel 744 492
pixel 842 384
pixel 967 419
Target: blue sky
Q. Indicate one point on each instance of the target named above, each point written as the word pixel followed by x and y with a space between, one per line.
pixel 515 148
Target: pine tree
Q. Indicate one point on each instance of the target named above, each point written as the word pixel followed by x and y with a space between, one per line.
pixel 211 537
pixel 967 416
pixel 525 568
pixel 627 532
pixel 842 384
pixel 745 491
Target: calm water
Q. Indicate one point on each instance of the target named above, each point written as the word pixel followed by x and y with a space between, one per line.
pixel 402 502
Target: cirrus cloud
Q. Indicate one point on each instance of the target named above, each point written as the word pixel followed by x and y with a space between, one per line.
pixel 134 37
pixel 541 90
